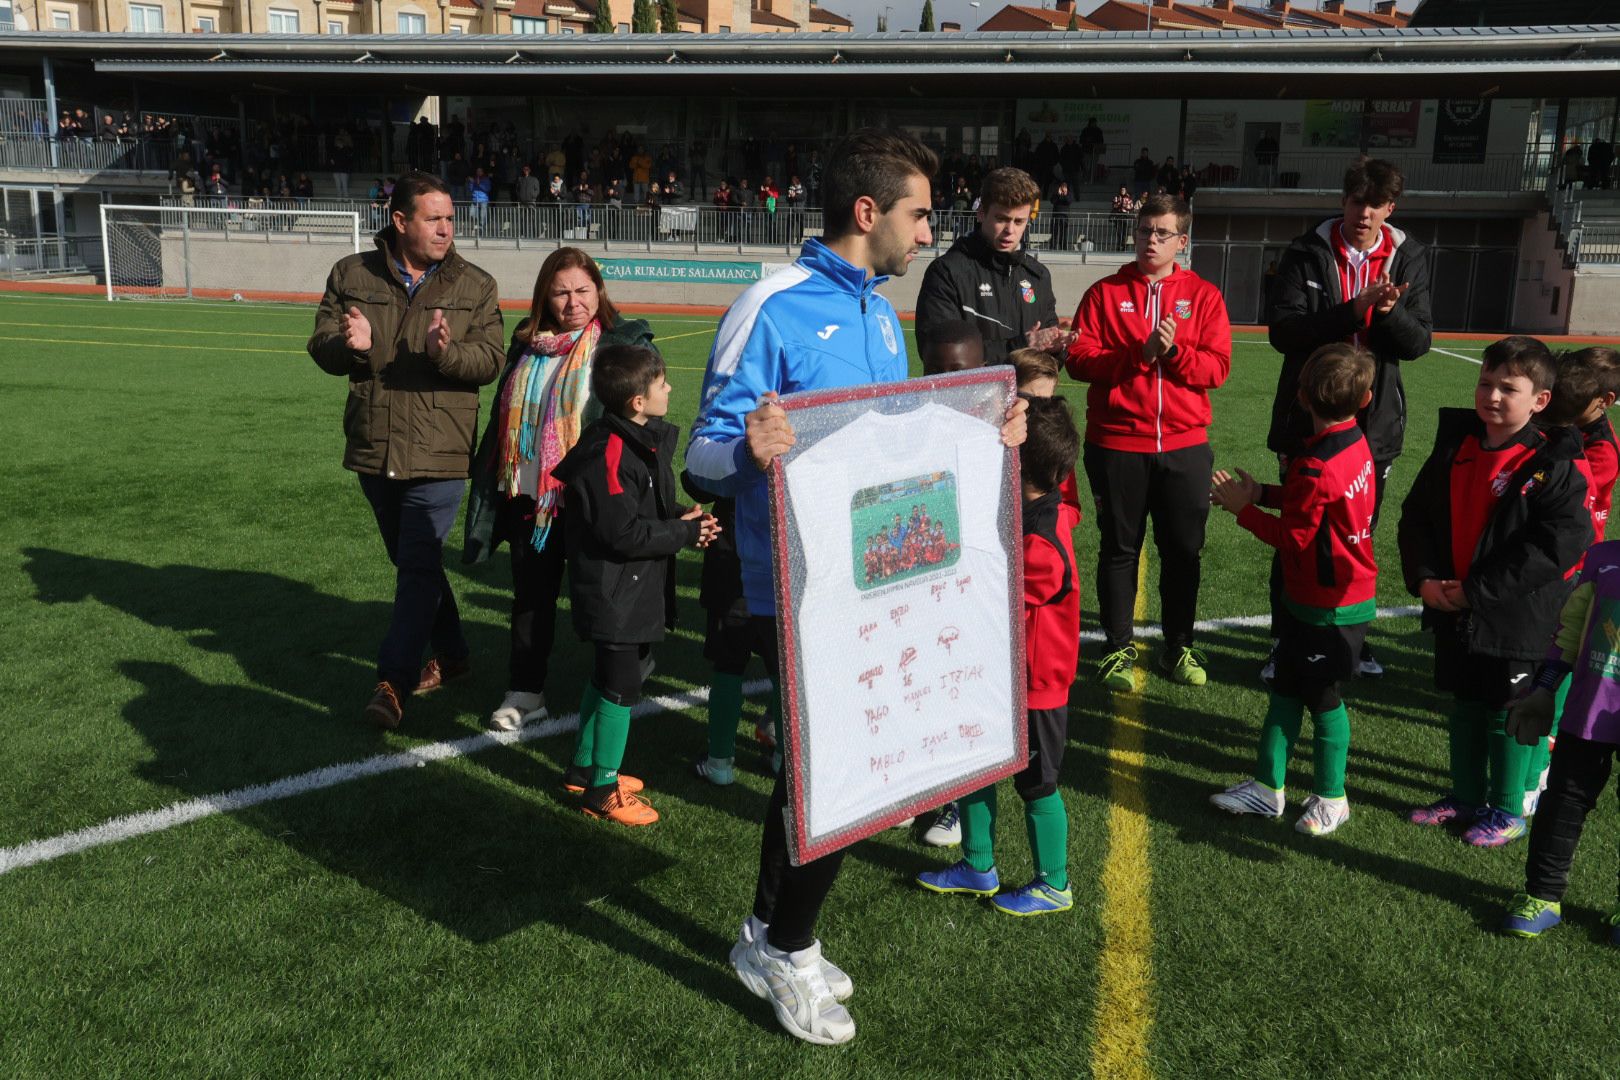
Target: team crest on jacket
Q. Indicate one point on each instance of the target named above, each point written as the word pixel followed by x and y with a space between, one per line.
pixel 1534 482
pixel 888 334
pixel 1183 309
pixel 1028 291
pixel 1127 307
pixel 1500 483
pixel 985 288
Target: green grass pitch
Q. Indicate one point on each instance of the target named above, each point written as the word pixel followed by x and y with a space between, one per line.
pixel 191 594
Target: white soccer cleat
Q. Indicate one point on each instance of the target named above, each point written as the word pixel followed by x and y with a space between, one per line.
pixel 517 708
pixel 1322 816
pixel 946 831
pixel 838 981
pixel 798 992
pixel 1250 797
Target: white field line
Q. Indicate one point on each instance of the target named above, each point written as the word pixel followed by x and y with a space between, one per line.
pixel 152 821
pixel 181 813
pixel 1459 356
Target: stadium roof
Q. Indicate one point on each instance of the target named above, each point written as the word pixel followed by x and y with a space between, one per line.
pixel 1437 61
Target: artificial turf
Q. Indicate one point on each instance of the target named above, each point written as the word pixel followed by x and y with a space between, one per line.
pixel 191 594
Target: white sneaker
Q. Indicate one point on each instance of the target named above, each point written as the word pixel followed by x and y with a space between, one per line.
pixel 1369 667
pixel 719 771
pixel 798 992
pixel 1250 797
pixel 1322 816
pixel 946 831
pixel 517 708
pixel 838 981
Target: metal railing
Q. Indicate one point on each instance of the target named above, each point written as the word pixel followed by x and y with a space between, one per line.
pixel 549 225
pixel 1595 244
pixel 23 257
pixel 1324 171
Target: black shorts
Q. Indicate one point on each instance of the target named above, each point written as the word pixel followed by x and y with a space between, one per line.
pixel 728 641
pixel 1048 735
pixel 1318 655
pixel 1492 681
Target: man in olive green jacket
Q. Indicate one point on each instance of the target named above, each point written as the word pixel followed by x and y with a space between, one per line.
pixel 417 330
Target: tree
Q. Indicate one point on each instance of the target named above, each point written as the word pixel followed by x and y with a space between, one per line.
pixel 602 21
pixel 1074 21
pixel 644 17
pixel 927 24
pixel 669 18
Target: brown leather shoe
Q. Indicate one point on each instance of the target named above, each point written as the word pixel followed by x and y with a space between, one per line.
pixel 436 672
pixel 384 710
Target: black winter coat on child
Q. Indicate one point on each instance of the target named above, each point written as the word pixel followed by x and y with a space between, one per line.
pixel 624 529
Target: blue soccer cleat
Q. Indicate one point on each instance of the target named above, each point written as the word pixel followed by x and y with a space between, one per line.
pixel 1527 916
pixel 959 877
pixel 1036 898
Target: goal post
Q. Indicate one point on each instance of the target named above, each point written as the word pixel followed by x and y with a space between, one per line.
pixel 235 252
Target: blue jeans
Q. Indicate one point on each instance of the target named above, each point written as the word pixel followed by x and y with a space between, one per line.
pixel 414 517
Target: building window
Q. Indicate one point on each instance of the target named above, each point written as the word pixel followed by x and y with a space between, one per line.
pixel 725 29
pixel 146 18
pixel 569 30
pixel 283 22
pixel 523 24
pixel 410 23
pixel 61 20
pixel 333 26
pixel 205 24
pixel 457 28
pixel 622 28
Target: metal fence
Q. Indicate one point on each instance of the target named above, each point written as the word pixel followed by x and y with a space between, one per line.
pixel 1324 171
pixel 549 225
pixel 33 256
pixel 29 138
pixel 1596 244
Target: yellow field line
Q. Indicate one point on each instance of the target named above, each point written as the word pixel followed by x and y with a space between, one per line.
pixel 159 330
pixel 693 333
pixel 150 345
pixel 1124 1014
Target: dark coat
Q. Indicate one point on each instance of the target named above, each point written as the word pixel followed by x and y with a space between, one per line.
pixel 409 416
pixel 624 529
pixel 1540 527
pixel 975 275
pixel 1306 312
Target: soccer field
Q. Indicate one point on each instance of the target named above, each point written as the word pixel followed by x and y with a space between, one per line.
pixel 191 594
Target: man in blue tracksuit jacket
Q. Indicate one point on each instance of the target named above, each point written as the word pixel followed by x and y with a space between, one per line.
pixel 819 325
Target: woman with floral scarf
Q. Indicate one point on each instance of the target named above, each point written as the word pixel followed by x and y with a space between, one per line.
pixel 542 402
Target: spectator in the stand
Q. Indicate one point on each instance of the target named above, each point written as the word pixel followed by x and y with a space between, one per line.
pixel 674 192
pixel 478 190
pixel 790 160
pixel 769 197
pixel 556 189
pixel 1092 148
pixel 342 161
pixel 1189 184
pixel 455 174
pixel 1070 160
pixel 641 164
pixel 1143 170
pixel 725 202
pixel 556 163
pixel 584 194
pixel 1574 163
pixel 109 128
pixel 188 188
pixel 613 168
pixel 654 199
pixel 1045 159
pixel 746 199
pixel 1599 159
pixel 1140 201
pixel 1169 178
pixel 305 188
pixel 1265 156
pixel 527 187
pixel 1123 203
pixel 1062 203
pixel 794 196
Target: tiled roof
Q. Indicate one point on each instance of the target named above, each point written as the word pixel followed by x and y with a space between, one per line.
pixel 831 18
pixel 1041 17
pixel 771 18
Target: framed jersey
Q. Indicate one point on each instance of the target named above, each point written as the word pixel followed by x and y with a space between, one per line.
pixel 896 545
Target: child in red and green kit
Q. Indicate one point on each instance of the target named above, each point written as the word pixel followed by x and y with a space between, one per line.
pixel 1052 651
pixel 1330 585
pixel 1490 534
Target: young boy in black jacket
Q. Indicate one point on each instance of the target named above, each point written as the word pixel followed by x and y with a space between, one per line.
pixel 1490 534
pixel 624 528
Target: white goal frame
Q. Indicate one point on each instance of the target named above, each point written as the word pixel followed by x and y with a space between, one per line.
pixel 238 219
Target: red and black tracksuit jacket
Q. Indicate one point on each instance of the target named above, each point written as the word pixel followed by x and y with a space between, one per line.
pixel 1603 458
pixel 624 529
pixel 1510 524
pixel 1051 599
pixel 1150 406
pixel 1324 536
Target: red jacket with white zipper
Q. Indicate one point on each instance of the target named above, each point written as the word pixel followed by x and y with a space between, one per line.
pixel 1150 406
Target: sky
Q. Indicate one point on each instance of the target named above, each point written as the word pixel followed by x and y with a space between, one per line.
pixel 906 14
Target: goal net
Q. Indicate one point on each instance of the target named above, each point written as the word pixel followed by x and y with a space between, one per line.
pixel 223 252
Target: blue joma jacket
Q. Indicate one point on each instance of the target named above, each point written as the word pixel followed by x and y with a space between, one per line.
pixel 818 325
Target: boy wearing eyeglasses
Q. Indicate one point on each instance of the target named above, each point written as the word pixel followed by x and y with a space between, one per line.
pixel 1153 340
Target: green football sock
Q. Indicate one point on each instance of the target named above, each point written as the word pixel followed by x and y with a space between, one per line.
pixel 1469 753
pixel 612 732
pixel 1509 764
pixel 979 828
pixel 1543 755
pixel 1330 747
pixel 586 741
pixel 1283 718
pixel 725 709
pixel 1048 825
